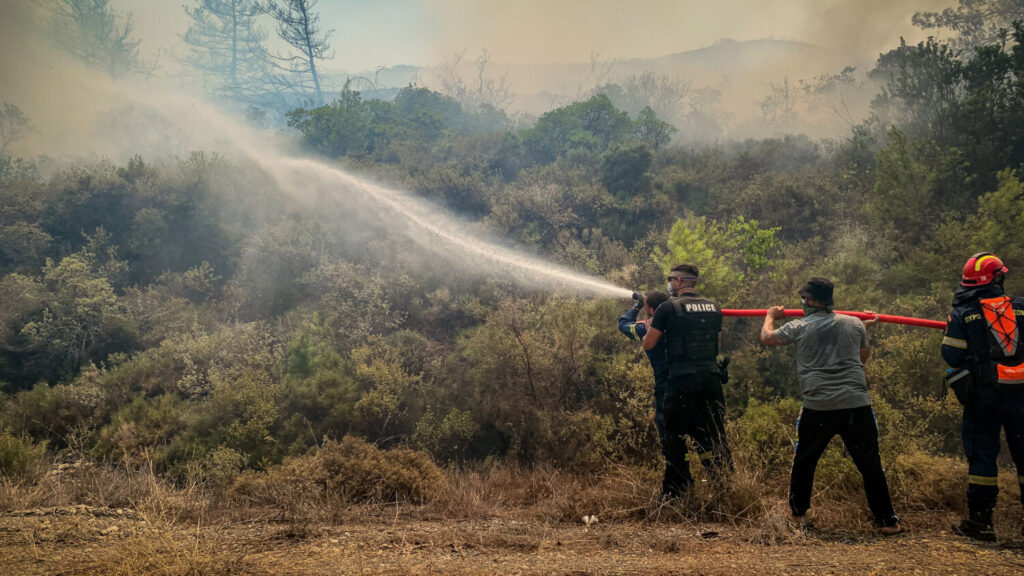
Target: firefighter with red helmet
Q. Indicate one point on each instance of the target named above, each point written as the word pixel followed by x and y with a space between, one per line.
pixel 983 345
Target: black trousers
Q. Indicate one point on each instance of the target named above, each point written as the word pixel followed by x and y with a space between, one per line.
pixel 694 406
pixel 856 426
pixel 991 410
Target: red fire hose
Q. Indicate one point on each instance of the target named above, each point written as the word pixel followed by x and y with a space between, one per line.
pixel 863 316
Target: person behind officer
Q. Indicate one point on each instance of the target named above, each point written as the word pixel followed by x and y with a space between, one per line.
pixel 694 404
pixel 830 353
pixel 657 356
pixel 983 337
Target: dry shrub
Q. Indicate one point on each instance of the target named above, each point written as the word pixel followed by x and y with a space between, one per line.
pixel 350 471
pixel 619 493
pixel 84 483
pixel 360 472
pixel 771 525
pixel 615 493
pixel 296 487
pixel 926 482
pixel 492 489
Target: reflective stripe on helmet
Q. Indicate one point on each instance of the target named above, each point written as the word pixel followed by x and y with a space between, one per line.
pixel 977 263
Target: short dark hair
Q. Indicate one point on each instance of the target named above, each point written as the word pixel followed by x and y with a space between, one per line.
pixel 818 289
pixel 688 269
pixel 655 298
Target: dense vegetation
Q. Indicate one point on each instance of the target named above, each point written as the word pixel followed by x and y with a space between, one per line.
pixel 187 316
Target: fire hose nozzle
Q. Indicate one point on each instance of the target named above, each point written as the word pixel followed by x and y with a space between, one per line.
pixel 638 300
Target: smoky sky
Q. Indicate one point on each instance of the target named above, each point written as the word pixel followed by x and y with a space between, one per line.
pixel 63 99
pixel 371 33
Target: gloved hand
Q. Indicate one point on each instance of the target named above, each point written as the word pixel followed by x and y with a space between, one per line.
pixel 638 300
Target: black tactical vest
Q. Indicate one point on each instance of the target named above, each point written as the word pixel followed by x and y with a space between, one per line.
pixel 693 331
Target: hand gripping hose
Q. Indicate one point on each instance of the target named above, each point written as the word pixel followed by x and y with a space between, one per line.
pixel 862 315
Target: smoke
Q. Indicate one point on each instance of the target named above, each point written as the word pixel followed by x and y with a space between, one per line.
pixel 554 53
pixel 569 31
pixel 544 51
pixel 82 114
pixel 862 30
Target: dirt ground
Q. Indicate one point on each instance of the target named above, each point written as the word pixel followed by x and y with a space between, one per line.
pixel 85 540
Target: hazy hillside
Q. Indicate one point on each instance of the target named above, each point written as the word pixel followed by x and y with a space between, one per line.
pixel 739 62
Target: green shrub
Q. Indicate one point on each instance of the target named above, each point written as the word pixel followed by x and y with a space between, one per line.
pixel 625 395
pixel 221 467
pixel 445 438
pixel 19 453
pixel 764 435
pixel 144 432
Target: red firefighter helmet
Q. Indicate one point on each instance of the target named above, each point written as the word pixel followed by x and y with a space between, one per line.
pixel 981 269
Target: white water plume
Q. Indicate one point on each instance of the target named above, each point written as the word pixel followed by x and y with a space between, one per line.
pixel 162 124
pixel 434 230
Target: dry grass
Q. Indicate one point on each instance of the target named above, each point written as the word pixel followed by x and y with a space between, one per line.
pixel 135 522
pixel 164 549
pixel 320 489
pixel 84 483
pixel 326 485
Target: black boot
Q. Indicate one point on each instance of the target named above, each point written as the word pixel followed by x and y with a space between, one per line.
pixel 674 488
pixel 978 526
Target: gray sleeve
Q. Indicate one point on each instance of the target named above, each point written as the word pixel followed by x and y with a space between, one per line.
pixel 790 331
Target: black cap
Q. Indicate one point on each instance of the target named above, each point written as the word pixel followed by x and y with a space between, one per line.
pixel 819 290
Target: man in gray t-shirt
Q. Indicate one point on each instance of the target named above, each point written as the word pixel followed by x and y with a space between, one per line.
pixel 830 353
pixel 829 365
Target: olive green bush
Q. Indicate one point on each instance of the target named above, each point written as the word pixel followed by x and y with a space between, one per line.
pixel 18 454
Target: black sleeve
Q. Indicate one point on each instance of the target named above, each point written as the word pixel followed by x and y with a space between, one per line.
pixel 662 316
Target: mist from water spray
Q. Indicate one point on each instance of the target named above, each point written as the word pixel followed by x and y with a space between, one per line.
pixel 428 226
pixel 201 126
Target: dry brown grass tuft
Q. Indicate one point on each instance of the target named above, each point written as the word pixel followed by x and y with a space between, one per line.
pixel 85 483
pixel 618 494
pixel 926 482
pixel 337 476
pixel 162 549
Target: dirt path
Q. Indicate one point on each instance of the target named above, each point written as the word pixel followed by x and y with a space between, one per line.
pixel 82 540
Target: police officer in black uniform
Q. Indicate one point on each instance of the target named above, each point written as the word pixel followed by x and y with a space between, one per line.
pixel 694 401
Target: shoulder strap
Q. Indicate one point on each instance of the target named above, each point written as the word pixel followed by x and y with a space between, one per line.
pixel 678 305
